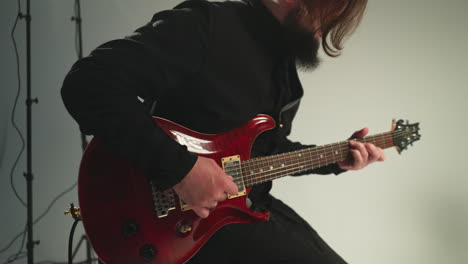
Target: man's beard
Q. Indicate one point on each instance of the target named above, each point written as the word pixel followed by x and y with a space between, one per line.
pixel 301 44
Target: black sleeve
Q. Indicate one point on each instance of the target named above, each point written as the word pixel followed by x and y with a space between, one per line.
pixel 100 91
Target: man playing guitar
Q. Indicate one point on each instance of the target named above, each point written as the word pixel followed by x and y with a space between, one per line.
pixel 211 67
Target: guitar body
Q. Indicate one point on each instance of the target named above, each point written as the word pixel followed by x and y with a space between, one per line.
pixel 118 206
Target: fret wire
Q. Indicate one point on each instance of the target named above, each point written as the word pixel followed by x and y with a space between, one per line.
pixel 300 158
pixel 309 154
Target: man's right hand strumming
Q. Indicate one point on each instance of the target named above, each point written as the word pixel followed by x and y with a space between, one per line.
pixel 204 186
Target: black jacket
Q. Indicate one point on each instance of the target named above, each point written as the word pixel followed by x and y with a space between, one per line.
pixel 209 66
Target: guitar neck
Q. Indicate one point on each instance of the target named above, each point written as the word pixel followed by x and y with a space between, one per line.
pixel 263 169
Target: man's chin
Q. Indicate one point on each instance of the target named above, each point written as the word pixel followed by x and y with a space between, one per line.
pixel 308 64
pixel 305 50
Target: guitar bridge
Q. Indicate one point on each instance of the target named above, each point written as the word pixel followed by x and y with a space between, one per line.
pixel 164 201
pixel 232 167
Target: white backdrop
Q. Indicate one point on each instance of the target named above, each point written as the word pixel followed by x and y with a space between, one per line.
pixel 406 61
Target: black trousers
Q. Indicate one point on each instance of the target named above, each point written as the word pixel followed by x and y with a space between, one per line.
pixel 285 239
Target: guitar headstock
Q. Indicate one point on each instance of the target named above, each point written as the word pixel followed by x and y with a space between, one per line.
pixel 404 134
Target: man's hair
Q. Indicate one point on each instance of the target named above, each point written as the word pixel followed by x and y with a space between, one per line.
pixel 338 20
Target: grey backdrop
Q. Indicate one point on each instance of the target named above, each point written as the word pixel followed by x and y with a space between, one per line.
pixel 406 61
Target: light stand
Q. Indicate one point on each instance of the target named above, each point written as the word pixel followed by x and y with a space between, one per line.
pixel 84 141
pixel 28 174
pixel 77 19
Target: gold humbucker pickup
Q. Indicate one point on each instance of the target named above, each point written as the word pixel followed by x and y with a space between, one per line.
pixel 232 167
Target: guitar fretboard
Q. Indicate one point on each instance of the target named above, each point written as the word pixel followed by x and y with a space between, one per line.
pixel 263 169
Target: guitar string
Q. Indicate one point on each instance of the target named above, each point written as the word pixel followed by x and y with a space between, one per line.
pixel 292 167
pixel 283 171
pixel 319 150
pixel 305 162
pixel 305 166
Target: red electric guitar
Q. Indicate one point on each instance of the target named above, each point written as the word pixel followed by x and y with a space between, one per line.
pixel 128 221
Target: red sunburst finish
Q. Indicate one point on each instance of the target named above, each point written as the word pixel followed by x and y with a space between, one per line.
pixel 117 204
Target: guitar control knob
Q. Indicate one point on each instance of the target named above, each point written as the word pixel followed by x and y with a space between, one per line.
pixel 185 228
pixel 148 252
pixel 129 229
